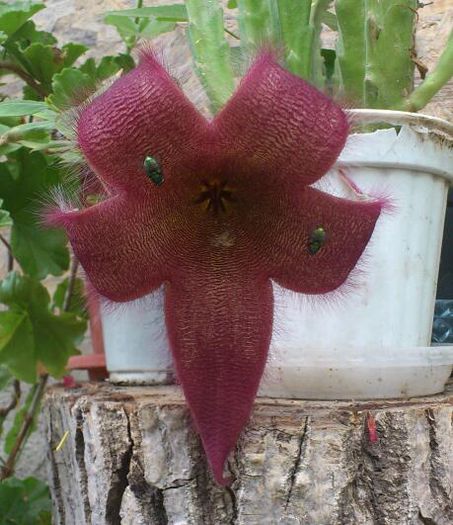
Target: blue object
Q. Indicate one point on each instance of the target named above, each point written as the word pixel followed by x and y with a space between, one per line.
pixel 443 322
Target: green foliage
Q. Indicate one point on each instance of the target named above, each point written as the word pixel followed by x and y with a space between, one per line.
pixel 39 333
pixel 25 502
pixel 31 333
pixel 107 67
pixel 5 218
pixel 23 182
pixel 162 13
pixel 69 87
pixel 22 108
pixel 145 22
pixel 5 377
pixel 372 65
pixel 130 31
pixel 16 345
pixel 296 34
pixel 77 305
pixel 210 50
pixel 13 15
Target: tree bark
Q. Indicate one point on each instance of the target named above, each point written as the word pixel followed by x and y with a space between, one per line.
pixel 130 456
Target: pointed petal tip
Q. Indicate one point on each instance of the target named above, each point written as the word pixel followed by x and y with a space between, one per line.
pixel 217 463
pixel 379 199
pixel 147 54
pixel 54 217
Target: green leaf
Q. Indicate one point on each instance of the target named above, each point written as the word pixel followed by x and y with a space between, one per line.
pixel 129 30
pixel 43 62
pixel 77 304
pixel 25 502
pixel 5 377
pixel 5 146
pixel 9 122
pixel 32 135
pixel 232 4
pixel 107 67
pixel 69 87
pixel 17 345
pixel 27 34
pixel 170 13
pixel 155 27
pixel 54 336
pixel 5 217
pixel 24 293
pixel 14 14
pixel 22 108
pixel 40 252
pixel 71 52
pixel 125 26
pixel 24 181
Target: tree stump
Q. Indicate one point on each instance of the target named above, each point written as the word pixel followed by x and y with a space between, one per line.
pixel 129 455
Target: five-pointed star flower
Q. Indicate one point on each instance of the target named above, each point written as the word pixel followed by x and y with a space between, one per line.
pixel 216 210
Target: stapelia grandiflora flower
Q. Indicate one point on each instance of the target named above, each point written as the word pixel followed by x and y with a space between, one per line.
pixel 215 210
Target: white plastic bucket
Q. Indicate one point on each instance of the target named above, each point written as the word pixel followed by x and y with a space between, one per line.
pixel 381 322
pixel 135 341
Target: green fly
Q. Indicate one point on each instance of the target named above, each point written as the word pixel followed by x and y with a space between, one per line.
pixel 317 240
pixel 153 171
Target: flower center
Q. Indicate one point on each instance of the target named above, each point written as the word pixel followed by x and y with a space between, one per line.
pixel 215 196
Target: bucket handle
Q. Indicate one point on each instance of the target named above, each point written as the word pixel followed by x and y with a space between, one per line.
pixel 368 116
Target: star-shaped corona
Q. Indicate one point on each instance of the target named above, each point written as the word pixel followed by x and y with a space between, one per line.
pixel 215 210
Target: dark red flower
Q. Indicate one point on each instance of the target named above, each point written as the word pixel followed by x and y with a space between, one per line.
pixel 234 212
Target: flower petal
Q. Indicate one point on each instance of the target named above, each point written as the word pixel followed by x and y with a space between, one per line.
pixel 120 247
pixel 298 259
pixel 278 122
pixel 219 323
pixel 144 113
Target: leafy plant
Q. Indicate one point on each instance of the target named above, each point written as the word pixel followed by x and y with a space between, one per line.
pixel 25 502
pixel 39 331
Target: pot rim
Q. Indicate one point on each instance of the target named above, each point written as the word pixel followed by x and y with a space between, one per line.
pixel 390 116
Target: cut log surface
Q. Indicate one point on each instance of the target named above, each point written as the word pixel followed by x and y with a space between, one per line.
pixel 129 456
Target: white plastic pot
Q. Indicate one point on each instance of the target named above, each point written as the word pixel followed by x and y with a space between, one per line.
pixel 372 340
pixel 135 342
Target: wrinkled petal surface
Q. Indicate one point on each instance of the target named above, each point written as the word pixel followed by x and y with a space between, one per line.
pixel 219 323
pixel 278 122
pixel 142 113
pixel 233 213
pixel 287 233
pixel 120 248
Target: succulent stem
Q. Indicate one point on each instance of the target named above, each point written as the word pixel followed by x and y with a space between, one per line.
pixel 318 9
pixel 210 50
pixel 351 48
pixel 436 79
pixel 376 41
pixel 296 35
pixel 259 24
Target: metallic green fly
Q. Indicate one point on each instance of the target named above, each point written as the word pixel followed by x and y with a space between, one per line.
pixel 153 171
pixel 317 240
